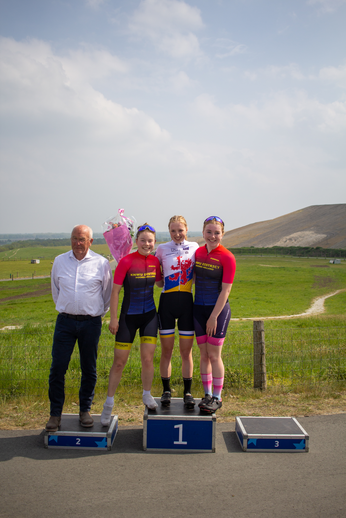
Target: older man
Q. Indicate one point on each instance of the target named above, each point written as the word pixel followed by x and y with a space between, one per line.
pixel 81 288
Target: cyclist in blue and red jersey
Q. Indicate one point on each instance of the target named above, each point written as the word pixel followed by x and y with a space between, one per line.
pixel 214 273
pixel 177 258
pixel 137 272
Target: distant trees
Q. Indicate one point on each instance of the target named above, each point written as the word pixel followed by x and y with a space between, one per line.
pixel 43 242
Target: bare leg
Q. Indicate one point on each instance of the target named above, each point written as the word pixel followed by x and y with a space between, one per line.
pixel 167 344
pixel 217 366
pixel 119 362
pixel 147 359
pixel 185 345
pixel 205 365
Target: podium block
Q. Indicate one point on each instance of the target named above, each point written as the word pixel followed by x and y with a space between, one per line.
pixel 271 434
pixel 71 435
pixel 176 428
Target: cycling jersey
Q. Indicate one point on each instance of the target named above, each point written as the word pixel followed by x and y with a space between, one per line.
pixel 212 269
pixel 138 273
pixel 177 260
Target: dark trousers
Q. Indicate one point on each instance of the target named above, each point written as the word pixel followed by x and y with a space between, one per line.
pixel 67 332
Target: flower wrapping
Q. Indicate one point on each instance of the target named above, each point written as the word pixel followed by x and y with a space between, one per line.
pixel 118 233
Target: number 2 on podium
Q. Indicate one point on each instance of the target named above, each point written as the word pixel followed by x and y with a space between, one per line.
pixel 180 441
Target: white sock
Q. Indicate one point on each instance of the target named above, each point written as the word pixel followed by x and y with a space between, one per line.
pixel 110 401
pixel 146 392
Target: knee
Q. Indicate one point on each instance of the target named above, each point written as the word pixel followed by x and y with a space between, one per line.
pixel 147 362
pixel 166 352
pixel 118 365
pixel 186 355
pixel 204 357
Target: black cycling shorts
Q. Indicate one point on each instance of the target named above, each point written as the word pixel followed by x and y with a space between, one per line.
pixel 147 323
pixel 177 305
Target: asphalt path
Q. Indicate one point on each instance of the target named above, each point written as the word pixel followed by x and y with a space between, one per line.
pixel 128 482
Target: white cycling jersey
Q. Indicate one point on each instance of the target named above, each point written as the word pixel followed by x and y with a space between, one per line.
pixel 177 261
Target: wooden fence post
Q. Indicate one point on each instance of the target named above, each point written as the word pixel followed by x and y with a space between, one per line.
pixel 259 356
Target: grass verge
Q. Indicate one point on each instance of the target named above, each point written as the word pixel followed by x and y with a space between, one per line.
pixel 31 414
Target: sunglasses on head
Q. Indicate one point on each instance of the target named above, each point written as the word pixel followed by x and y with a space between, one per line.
pixel 214 217
pixel 146 227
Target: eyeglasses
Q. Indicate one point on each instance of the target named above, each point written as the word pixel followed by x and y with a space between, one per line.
pixel 214 217
pixel 146 227
pixel 80 240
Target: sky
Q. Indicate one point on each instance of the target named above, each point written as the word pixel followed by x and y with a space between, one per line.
pixel 235 108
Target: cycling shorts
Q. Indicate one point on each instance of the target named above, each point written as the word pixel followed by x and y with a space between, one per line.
pixel 176 305
pixel 147 323
pixel 201 315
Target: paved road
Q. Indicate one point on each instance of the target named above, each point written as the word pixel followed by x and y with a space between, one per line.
pixel 129 483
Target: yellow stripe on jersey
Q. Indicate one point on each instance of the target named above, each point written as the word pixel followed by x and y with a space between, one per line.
pixel 182 287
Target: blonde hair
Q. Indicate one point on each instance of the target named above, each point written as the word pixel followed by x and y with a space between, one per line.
pixel 216 222
pixel 177 219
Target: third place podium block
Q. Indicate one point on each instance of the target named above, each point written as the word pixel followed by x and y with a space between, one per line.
pixel 176 428
pixel 270 434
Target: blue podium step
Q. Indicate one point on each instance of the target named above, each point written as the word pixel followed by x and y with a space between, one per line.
pixel 176 428
pixel 71 435
pixel 271 434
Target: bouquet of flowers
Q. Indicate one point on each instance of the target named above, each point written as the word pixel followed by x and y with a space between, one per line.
pixel 119 233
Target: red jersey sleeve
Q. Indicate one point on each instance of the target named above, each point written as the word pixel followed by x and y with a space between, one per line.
pixel 121 270
pixel 229 267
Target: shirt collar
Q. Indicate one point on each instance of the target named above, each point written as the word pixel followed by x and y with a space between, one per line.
pixel 87 256
pixel 179 244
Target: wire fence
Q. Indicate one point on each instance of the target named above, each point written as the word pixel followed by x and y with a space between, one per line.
pixel 292 358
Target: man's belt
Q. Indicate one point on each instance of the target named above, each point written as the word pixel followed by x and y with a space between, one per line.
pixel 80 318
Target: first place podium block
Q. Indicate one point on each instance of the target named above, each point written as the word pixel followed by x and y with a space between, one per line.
pixel 176 428
pixel 71 435
pixel 271 434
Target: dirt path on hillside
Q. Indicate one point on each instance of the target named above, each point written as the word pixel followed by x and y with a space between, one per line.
pixel 316 308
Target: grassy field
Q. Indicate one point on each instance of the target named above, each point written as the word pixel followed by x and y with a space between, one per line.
pixel 306 357
pixel 263 287
pixel 17 263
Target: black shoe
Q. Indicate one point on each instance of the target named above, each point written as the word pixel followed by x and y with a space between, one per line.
pixel 166 398
pixel 189 402
pixel 204 401
pixel 213 405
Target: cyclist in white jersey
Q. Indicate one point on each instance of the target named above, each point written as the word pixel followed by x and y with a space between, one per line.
pixel 177 259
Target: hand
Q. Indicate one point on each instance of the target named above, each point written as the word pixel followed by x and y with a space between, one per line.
pixel 211 325
pixel 113 326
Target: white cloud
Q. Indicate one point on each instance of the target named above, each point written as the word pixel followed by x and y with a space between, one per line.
pixel 336 75
pixel 41 102
pixel 280 111
pixel 94 4
pixel 283 72
pixel 89 63
pixel 327 6
pixel 169 25
pixel 180 81
pixel 229 48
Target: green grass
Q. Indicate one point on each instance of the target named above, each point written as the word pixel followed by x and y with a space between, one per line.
pixel 18 262
pixel 299 351
pixel 263 287
pixel 294 356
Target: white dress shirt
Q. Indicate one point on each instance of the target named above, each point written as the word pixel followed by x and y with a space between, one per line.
pixel 81 287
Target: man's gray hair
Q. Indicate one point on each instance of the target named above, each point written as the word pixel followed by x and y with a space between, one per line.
pixel 85 226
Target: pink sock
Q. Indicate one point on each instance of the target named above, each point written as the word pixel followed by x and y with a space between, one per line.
pixel 207 382
pixel 218 385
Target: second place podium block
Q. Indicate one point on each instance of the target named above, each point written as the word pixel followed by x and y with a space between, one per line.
pixel 176 428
